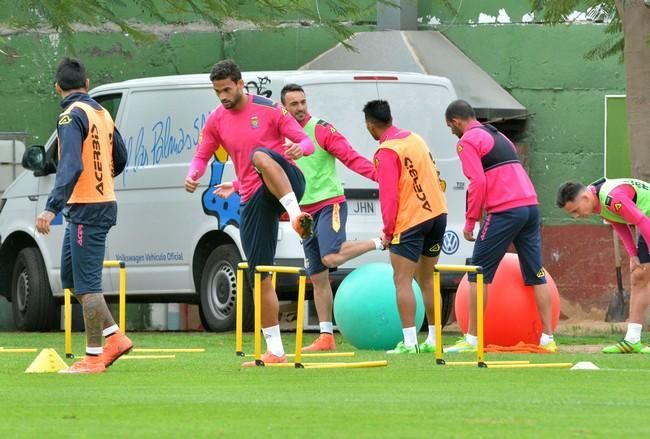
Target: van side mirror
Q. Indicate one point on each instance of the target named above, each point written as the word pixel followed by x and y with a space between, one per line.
pixel 34 158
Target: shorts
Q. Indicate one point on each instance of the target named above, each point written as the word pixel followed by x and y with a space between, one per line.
pixel 425 239
pixel 329 236
pixel 520 226
pixel 260 218
pixel 82 258
pixel 642 250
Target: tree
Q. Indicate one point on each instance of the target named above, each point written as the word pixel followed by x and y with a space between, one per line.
pixel 632 19
pixel 62 16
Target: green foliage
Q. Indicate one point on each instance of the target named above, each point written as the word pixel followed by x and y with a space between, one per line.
pixel 556 11
pixel 61 15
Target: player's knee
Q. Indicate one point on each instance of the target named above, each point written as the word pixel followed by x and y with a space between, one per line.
pixel 330 261
pixel 640 278
pixel 260 159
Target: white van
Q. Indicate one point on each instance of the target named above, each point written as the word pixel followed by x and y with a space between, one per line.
pixel 182 247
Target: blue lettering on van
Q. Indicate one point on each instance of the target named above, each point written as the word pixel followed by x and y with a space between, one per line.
pixel 225 210
pixel 166 143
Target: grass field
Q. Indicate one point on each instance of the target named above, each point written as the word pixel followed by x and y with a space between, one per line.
pixel 209 395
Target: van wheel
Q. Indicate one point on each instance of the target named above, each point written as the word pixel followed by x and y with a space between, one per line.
pixel 218 291
pixel 32 303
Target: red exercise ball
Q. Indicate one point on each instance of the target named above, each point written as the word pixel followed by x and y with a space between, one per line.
pixel 511 314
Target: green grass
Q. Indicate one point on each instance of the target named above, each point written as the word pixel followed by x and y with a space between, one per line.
pixel 209 395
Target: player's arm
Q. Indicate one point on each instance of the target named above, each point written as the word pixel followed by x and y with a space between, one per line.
pixel 622 204
pixel 289 128
pixel 388 170
pixel 336 144
pixel 209 141
pixel 120 154
pixel 71 132
pixel 473 169
pixel 623 231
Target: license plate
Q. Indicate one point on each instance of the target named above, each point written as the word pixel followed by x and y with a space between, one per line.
pixel 363 207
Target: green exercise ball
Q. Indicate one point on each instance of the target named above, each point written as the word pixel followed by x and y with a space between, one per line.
pixel 365 308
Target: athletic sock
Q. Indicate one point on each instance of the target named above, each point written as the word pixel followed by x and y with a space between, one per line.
pixel 326 328
pixel 110 331
pixel 545 339
pixel 290 204
pixel 431 338
pixel 633 332
pixel 94 351
pixel 471 339
pixel 273 340
pixel 410 337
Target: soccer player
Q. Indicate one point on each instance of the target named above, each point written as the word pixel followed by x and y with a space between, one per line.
pixel 414 210
pixel 325 201
pixel 621 202
pixel 253 129
pixel 499 184
pixel 91 152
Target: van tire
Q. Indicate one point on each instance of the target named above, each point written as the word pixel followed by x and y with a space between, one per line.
pixel 218 291
pixel 32 303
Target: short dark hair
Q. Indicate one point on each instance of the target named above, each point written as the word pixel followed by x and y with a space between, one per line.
pixel 225 69
pixel 70 74
pixel 378 111
pixel 568 192
pixel 288 89
pixel 459 109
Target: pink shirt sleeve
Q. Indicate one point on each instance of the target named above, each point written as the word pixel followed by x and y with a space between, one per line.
pixel 388 174
pixel 337 145
pixel 622 204
pixel 624 232
pixel 208 144
pixel 291 129
pixel 470 160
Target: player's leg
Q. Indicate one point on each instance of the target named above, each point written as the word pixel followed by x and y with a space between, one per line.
pixel 529 248
pixel 319 276
pixel 495 235
pixel 405 251
pixel 259 234
pixel 639 300
pixel 287 184
pixel 424 274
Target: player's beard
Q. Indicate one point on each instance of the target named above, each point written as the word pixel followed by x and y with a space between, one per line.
pixel 236 100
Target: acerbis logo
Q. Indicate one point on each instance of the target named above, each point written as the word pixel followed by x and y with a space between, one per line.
pixel 450 243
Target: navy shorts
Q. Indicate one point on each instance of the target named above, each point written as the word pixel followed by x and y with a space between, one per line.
pixel 642 250
pixel 425 239
pixel 82 258
pixel 260 218
pixel 519 226
pixel 328 237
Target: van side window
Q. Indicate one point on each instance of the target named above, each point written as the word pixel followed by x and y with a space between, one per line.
pixel 110 102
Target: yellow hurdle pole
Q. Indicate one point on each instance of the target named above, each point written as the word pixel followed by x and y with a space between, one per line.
pixel 437 313
pixel 480 354
pixel 257 292
pixel 283 270
pixel 185 350
pixel 489 363
pixel 67 323
pixel 300 320
pixel 274 278
pixel 360 364
pixel 122 304
pixel 532 366
pixel 313 355
pixel 458 268
pixel 239 311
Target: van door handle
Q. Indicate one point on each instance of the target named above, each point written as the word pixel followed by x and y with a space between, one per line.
pixel 32 197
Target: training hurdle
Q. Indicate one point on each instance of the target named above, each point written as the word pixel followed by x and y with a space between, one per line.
pixel 480 348
pixel 67 306
pixel 257 299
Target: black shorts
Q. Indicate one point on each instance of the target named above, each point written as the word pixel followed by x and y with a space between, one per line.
pixel 82 258
pixel 519 226
pixel 642 250
pixel 328 237
pixel 425 239
pixel 260 217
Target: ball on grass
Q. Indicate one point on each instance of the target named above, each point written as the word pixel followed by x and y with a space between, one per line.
pixel 365 308
pixel 511 315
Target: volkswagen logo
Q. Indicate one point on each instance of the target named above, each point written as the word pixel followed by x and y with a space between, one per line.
pixel 450 243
